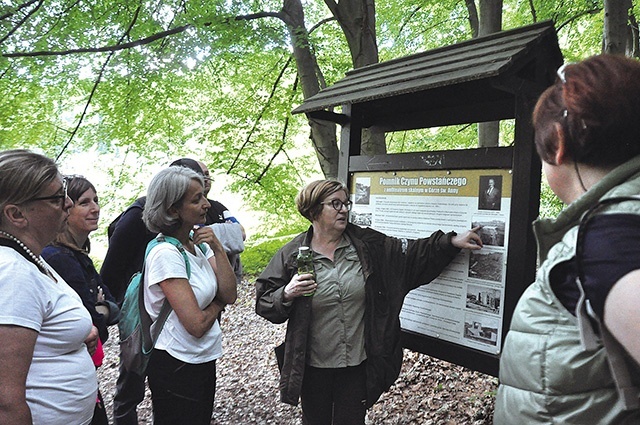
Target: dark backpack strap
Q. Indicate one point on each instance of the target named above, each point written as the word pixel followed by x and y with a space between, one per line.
pixel 138 203
pixel 592 338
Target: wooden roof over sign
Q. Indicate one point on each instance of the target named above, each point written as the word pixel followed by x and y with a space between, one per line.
pixel 478 79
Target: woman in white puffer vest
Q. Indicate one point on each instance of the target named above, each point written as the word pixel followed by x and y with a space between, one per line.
pixel 555 367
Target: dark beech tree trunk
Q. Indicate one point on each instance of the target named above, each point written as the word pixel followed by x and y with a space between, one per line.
pixel 357 18
pixel 490 22
pixel 323 133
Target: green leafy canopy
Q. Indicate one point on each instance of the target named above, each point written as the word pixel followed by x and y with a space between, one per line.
pixel 137 84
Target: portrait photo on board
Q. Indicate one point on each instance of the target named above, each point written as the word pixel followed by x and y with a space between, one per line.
pixel 490 195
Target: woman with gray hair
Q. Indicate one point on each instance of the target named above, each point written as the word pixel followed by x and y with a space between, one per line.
pixel 182 367
pixel 46 370
pixel 342 348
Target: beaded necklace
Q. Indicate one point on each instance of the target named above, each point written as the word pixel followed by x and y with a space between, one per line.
pixel 43 268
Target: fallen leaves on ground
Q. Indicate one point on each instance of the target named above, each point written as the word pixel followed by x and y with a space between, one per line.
pixel 428 392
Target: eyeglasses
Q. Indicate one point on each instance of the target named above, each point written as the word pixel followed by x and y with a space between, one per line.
pixel 62 197
pixel 337 204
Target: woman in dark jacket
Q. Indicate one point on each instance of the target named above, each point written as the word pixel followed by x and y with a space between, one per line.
pixel 342 348
pixel 69 256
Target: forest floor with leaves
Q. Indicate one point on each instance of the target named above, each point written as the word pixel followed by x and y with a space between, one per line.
pixel 428 392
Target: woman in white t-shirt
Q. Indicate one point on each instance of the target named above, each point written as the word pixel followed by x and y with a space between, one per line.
pixel 46 335
pixel 181 371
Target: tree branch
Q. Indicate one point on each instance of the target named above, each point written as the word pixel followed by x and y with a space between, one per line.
pixel 283 141
pixel 97 82
pixel 121 46
pixel 275 154
pixel 173 18
pixel 5 71
pixel 474 22
pixel 71 6
pixel 579 15
pixel 437 24
pixel 86 107
pixel 333 7
pixel 17 9
pixel 322 22
pixel 534 14
pixel 408 19
pixel 115 48
pixel 21 22
pixel 260 115
pixel 141 42
pixel 258 15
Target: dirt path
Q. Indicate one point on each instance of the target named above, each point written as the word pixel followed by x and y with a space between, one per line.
pixel 428 391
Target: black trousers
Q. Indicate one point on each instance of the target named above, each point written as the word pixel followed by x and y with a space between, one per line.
pixel 334 396
pixel 129 393
pixel 99 414
pixel 181 393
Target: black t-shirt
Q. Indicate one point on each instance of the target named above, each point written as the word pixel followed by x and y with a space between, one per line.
pixel 611 250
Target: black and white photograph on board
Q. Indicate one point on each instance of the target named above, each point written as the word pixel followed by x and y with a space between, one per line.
pixel 490 196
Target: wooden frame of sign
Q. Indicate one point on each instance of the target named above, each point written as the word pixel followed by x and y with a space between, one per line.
pixel 464 315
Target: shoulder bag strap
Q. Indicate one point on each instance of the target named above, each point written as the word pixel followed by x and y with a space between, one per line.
pixel 629 393
pixel 166 309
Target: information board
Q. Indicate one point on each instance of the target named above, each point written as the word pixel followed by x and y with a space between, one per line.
pixel 464 304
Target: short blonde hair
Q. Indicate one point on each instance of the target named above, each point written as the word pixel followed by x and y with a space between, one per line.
pixel 310 197
pixel 24 175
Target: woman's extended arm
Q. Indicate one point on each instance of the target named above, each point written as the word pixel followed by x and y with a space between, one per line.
pixel 16 352
pixel 468 239
pixel 622 315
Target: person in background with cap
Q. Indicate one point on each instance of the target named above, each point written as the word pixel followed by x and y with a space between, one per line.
pixel 128 239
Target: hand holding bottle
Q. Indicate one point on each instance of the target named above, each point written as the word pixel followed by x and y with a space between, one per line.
pixel 303 283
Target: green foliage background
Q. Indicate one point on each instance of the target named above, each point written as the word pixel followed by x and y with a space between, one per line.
pixel 221 90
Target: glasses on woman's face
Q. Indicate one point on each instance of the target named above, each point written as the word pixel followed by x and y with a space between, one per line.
pixel 337 204
pixel 60 195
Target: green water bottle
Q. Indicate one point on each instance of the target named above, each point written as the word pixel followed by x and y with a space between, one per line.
pixel 305 263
